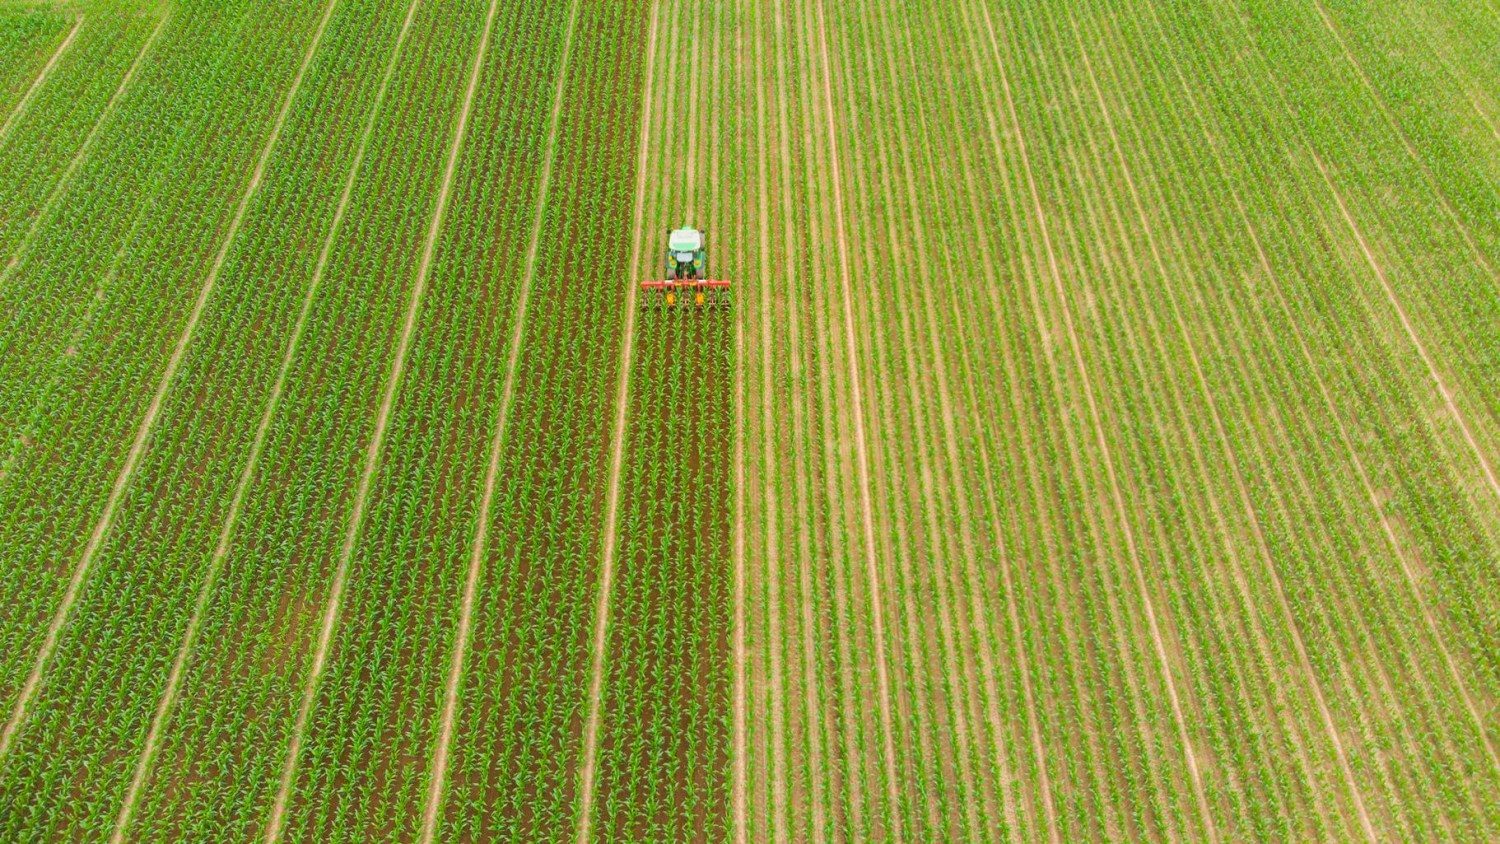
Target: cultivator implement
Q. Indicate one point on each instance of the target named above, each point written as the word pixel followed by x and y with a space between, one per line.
pixel 685 291
pixel 686 279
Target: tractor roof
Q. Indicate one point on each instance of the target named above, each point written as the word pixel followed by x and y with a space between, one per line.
pixel 685 240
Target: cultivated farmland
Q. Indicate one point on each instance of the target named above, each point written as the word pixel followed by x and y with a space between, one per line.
pixel 1101 440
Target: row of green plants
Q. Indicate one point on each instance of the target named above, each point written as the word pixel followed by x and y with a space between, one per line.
pixel 517 742
pixel 27 41
pixel 1251 537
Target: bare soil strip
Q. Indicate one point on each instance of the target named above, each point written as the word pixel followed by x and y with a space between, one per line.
pixel 148 423
pixel 40 80
pixel 1116 495
pixel 861 451
pixel 252 463
pixel 1223 437
pixel 1411 151
pixel 277 820
pixel 617 460
pixel 480 548
pixel 61 188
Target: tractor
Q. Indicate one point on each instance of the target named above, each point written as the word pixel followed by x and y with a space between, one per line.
pixel 687 269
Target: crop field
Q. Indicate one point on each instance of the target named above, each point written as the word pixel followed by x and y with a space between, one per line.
pixel 1101 440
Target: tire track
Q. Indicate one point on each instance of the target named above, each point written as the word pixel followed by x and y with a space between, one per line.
pixel 247 475
pixel 480 547
pixel 617 459
pixel 277 820
pixel 861 451
pixel 148 422
pixel 40 80
pixel 1235 471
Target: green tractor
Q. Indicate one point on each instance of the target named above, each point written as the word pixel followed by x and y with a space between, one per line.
pixel 687 267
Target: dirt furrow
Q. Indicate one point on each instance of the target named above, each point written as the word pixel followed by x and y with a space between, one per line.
pixel 277 819
pixel 40 80
pixel 586 774
pixel 148 422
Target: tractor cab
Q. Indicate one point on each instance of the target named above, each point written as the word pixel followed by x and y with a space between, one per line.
pixel 686 257
pixel 687 267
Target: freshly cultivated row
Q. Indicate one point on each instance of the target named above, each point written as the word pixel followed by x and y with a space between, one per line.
pixel 1101 443
pixel 661 765
pixel 518 736
pixel 93 384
